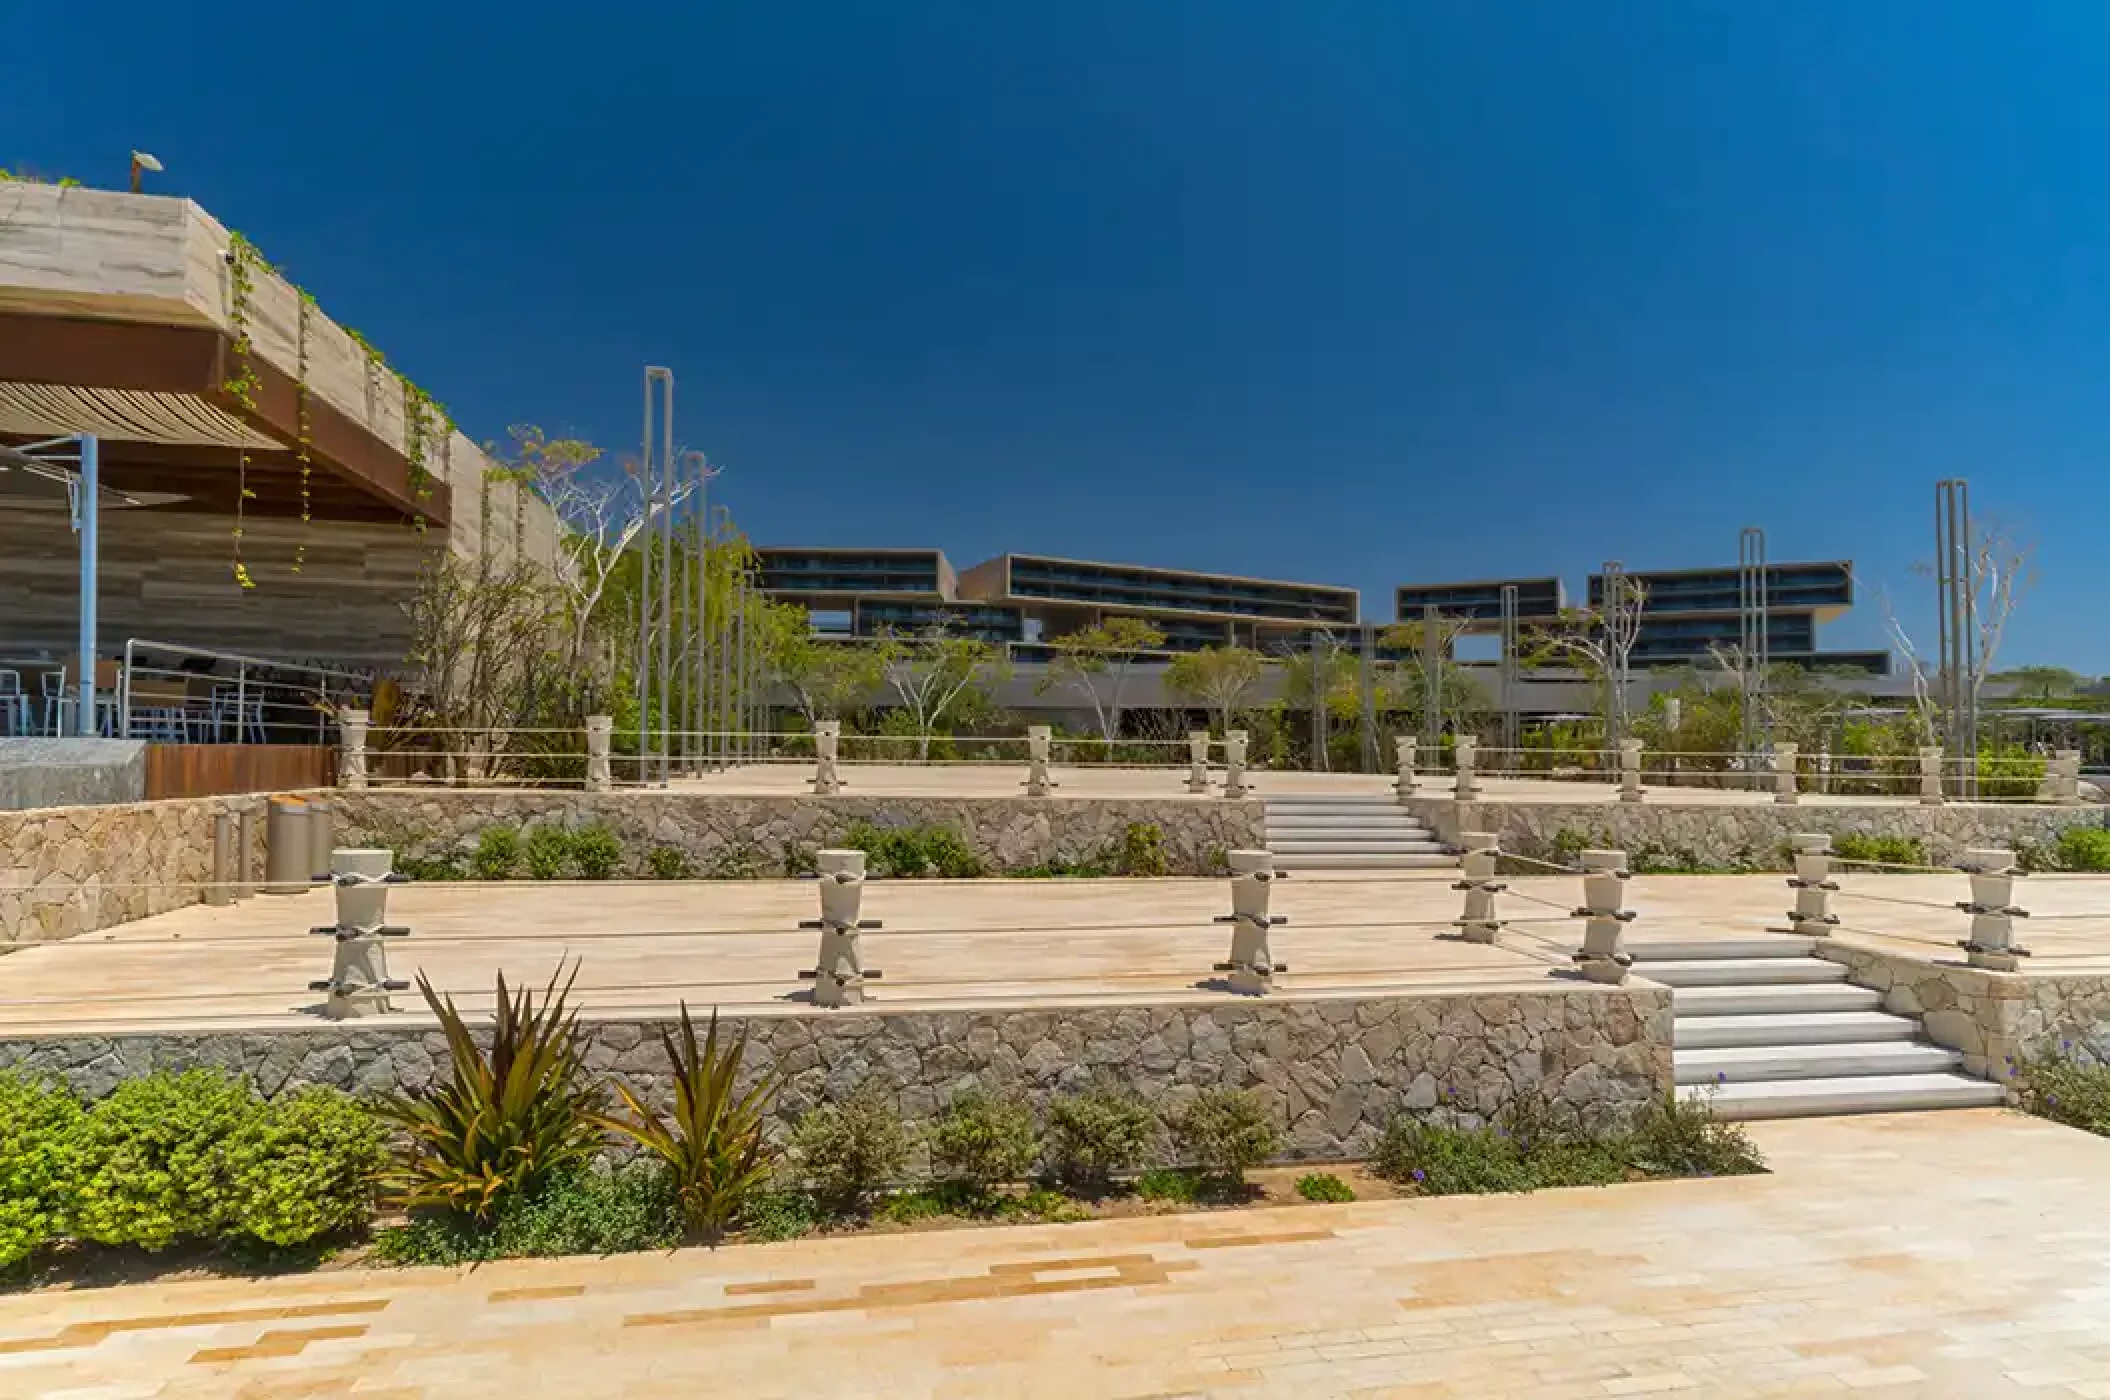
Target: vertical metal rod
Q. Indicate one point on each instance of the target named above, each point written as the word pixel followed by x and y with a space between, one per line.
pixel 644 585
pixel 1967 590
pixel 1319 677
pixel 1366 692
pixel 1506 676
pixel 721 634
pixel 699 526
pixel 666 581
pixel 91 550
pixel 1431 682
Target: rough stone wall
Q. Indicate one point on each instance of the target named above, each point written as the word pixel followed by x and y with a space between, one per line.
pixel 753 836
pixel 1996 1019
pixel 1334 1070
pixel 1751 836
pixel 69 870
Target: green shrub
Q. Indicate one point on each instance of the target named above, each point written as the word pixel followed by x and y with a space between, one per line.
pixel 668 863
pixel 739 860
pixel 983 1140
pixel 1442 1159
pixel 1143 850
pixel 429 868
pixel 497 854
pixel 845 1151
pixel 596 851
pixel 1682 1137
pixel 506 1120
pixel 2067 1089
pixel 305 1167
pixel 1169 1184
pixel 2083 848
pixel 1225 1131
pixel 1092 1135
pixel 913 852
pixel 547 852
pixel 39 1138
pixel 780 1215
pixel 584 1210
pixel 155 1160
pixel 2009 771
pixel 1880 850
pixel 1324 1186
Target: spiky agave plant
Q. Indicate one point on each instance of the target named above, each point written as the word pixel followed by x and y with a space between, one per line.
pixel 714 1144
pixel 502 1123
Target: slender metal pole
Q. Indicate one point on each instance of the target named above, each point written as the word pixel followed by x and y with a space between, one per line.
pixel 644 583
pixel 666 581
pixel 1431 682
pixel 1366 692
pixel 1506 676
pixel 91 550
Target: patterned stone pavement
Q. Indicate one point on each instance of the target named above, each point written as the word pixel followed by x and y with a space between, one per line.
pixel 1958 1254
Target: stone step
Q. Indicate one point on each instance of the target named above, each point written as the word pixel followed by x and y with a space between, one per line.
pixel 1277 806
pixel 1790 1028
pixel 1748 1064
pixel 1880 1093
pixel 1362 841
pixel 1656 950
pixel 1314 860
pixel 1740 972
pixel 1773 999
pixel 1388 818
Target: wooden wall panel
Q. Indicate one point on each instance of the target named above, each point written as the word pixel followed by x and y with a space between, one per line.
pixel 216 770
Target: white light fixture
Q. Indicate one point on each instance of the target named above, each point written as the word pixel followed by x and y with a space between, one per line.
pixel 143 163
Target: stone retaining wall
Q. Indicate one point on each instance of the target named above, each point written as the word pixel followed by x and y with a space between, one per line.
pixel 70 870
pixel 762 836
pixel 1334 1069
pixel 1661 830
pixel 1996 1019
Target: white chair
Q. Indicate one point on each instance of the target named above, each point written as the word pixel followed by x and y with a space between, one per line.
pixel 52 685
pixel 14 704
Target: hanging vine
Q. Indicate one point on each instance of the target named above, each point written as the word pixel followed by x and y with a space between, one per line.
pixel 243 264
pixel 304 444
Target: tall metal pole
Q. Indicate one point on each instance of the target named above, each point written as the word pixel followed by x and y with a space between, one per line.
pixel 666 581
pixel 1506 676
pixel 1366 692
pixel 644 586
pixel 1431 681
pixel 1956 600
pixel 721 662
pixel 1615 597
pixel 1319 678
pixel 1754 642
pixel 91 550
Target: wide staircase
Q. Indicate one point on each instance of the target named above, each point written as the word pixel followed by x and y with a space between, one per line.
pixel 1318 831
pixel 1782 1034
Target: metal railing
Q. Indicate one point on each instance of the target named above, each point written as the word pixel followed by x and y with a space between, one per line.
pixel 245 699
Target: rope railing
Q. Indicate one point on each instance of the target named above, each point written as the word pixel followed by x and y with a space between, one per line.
pixel 1990 904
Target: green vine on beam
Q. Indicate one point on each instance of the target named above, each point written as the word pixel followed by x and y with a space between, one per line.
pixel 243 264
pixel 304 437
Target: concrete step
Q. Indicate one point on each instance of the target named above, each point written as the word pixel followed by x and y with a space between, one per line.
pixel 1747 1064
pixel 1791 1028
pixel 1772 999
pixel 1361 841
pixel 1880 1093
pixel 1783 945
pixel 1740 972
pixel 1316 860
pixel 1276 808
pixel 1327 820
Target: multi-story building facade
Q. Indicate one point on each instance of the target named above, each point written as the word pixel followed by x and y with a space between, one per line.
pixel 1688 615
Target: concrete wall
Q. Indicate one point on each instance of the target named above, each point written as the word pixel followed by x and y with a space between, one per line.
pixel 70 772
pixel 750 835
pixel 1334 1070
pixel 1753 836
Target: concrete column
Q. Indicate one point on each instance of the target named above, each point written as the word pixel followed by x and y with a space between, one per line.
pixel 827 747
pixel 1234 764
pixel 351 752
pixel 1404 751
pixel 839 976
pixel 1251 967
pixel 1467 753
pixel 1482 852
pixel 1040 749
pixel 1993 911
pixel 1930 776
pixel 1630 770
pixel 1198 762
pixel 359 984
pixel 1784 793
pixel 1813 884
pixel 600 743
pixel 1604 957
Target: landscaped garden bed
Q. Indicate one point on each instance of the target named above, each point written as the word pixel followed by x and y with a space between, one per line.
pixel 520 1150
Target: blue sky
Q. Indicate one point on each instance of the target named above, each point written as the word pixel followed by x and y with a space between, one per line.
pixel 1359 292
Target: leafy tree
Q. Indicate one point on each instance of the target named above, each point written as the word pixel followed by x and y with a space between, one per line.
pixel 1097 661
pixel 1223 679
pixel 1598 642
pixel 936 673
pixel 825 678
pixel 1433 640
pixel 2042 683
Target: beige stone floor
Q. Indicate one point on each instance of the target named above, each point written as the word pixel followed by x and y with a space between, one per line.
pixel 986 779
pixel 1960 1254
pixel 645 946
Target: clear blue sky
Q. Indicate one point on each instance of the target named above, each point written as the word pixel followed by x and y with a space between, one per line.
pixel 1359 292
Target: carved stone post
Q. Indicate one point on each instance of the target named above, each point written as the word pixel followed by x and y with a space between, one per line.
pixel 600 743
pixel 1993 911
pixel 2062 777
pixel 1234 764
pixel 839 975
pixel 1404 748
pixel 1930 776
pixel 1198 762
pixel 351 748
pixel 1813 884
pixel 359 984
pixel 1251 967
pixel 1630 770
pixel 1467 753
pixel 1482 852
pixel 1040 748
pixel 827 744
pixel 1784 793
pixel 1604 957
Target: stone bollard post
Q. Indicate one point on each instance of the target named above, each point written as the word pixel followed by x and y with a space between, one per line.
pixel 1198 762
pixel 1482 851
pixel 600 743
pixel 1930 776
pixel 1040 748
pixel 359 984
pixel 1252 966
pixel 1604 957
pixel 1813 884
pixel 1784 793
pixel 351 748
pixel 1234 764
pixel 840 974
pixel 221 890
pixel 1993 911
pixel 1467 752
pixel 244 853
pixel 1404 747
pixel 2062 777
pixel 1630 770
pixel 827 746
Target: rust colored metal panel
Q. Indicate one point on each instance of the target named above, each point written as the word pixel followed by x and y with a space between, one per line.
pixel 214 770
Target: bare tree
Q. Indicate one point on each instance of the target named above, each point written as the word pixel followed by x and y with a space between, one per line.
pixel 1097 661
pixel 1436 686
pixel 2001 568
pixel 1599 642
pixel 934 673
pixel 480 643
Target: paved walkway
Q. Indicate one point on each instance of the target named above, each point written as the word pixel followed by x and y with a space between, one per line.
pixel 1943 1254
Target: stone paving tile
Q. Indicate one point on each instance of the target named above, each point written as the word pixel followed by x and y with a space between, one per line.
pixel 1931 1255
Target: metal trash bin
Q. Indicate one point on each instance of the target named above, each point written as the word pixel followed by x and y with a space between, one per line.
pixel 288 858
pixel 322 838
